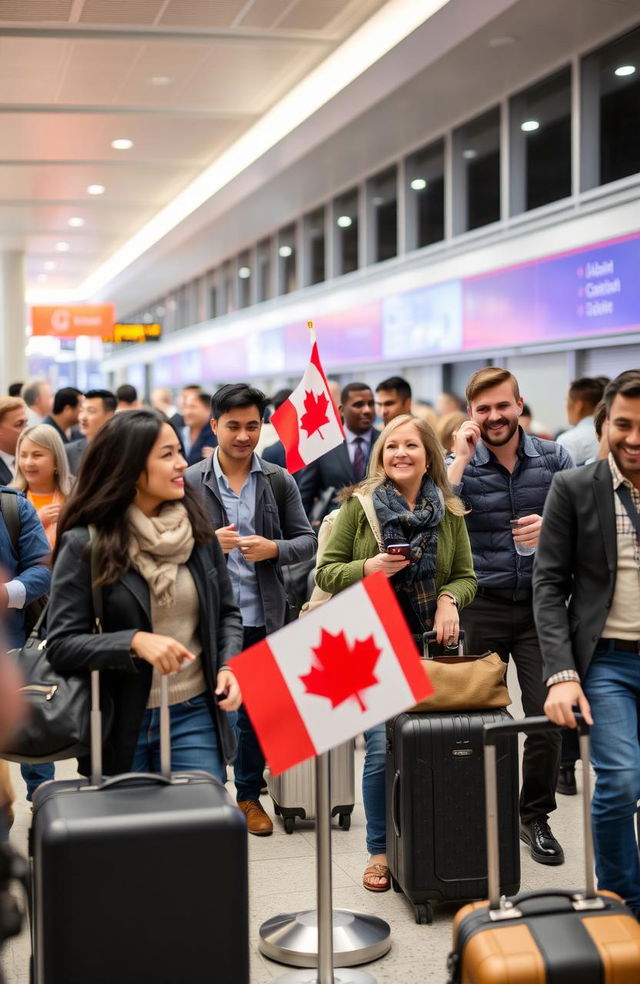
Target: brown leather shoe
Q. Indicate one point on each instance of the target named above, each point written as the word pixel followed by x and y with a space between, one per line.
pixel 258 822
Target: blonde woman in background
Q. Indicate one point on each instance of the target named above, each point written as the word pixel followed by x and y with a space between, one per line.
pixel 42 471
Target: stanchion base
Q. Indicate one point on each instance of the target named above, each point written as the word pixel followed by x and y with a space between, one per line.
pixel 292 938
pixel 310 976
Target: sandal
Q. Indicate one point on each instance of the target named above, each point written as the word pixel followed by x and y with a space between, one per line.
pixel 376 871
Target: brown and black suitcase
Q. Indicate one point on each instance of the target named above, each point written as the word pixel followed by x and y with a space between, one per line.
pixel 546 937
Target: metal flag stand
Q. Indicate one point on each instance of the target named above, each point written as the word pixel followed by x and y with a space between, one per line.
pixel 319 939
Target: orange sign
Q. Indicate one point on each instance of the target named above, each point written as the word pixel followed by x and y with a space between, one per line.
pixel 76 319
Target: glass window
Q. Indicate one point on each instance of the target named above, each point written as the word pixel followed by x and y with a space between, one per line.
pixel 424 175
pixel 382 195
pixel 611 95
pixel 244 279
pixel 477 168
pixel 345 211
pixel 314 233
pixel 287 277
pixel 263 271
pixel 541 143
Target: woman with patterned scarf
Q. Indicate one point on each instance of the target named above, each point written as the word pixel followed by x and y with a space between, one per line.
pixel 167 600
pixel 405 498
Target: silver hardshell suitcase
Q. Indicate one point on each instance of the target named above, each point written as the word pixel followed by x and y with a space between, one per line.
pixel 294 793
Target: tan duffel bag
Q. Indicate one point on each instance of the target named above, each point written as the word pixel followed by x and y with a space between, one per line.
pixel 463 683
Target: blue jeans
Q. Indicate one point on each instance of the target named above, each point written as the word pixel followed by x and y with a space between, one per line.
pixel 194 740
pixel 249 765
pixel 373 792
pixel 612 686
pixel 33 775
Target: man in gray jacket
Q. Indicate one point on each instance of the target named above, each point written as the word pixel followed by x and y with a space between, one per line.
pixel 257 515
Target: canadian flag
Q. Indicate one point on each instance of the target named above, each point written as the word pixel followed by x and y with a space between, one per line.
pixel 308 423
pixel 323 679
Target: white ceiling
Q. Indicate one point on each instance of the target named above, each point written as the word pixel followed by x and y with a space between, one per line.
pixel 77 74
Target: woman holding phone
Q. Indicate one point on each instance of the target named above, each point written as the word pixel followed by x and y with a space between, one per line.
pixel 167 601
pixel 427 556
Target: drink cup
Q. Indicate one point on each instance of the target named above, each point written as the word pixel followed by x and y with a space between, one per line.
pixel 520 548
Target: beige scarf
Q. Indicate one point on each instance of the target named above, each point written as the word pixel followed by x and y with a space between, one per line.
pixel 157 544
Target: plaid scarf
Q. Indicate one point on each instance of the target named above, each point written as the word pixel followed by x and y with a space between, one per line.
pixel 419 528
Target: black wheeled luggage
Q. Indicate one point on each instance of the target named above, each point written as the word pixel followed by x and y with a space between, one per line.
pixel 436 840
pixel 139 877
pixel 544 937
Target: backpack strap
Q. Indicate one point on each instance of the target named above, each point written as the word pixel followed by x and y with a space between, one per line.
pixel 370 512
pixel 11 513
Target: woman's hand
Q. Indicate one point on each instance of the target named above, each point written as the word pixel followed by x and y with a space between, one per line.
pixel 164 653
pixel 49 514
pixel 446 623
pixel 387 563
pixel 226 683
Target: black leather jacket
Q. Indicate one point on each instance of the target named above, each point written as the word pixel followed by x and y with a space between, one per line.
pixel 73 646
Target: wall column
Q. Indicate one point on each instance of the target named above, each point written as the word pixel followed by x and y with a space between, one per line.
pixel 13 315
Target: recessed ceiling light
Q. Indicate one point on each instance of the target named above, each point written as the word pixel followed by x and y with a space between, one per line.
pixel 530 126
pixel 502 41
pixel 159 80
pixel 122 143
pixel 62 247
pixel 344 221
pixel 49 265
pixel 75 222
pixel 244 272
pixel 96 189
pixel 285 251
pixel 418 184
pixel 624 70
pixel 469 154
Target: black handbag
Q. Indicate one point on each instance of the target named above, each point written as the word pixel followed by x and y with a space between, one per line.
pixel 57 725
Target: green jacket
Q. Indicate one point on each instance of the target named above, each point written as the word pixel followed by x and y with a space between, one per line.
pixel 352 542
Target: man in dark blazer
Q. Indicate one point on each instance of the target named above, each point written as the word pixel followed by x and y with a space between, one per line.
pixel 66 410
pixel 13 420
pixel 98 406
pixel 346 464
pixel 261 526
pixel 587 610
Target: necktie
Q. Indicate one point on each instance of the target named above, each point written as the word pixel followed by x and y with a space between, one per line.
pixel 359 460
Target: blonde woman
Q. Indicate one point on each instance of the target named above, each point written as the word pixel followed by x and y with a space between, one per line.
pixel 42 471
pixel 408 489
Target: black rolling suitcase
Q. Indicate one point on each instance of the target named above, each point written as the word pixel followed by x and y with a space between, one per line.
pixel 139 877
pixel 436 840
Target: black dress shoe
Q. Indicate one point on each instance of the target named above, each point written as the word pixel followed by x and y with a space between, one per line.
pixel 566 783
pixel 545 849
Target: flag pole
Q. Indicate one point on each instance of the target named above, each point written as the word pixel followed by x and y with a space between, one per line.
pixel 306 939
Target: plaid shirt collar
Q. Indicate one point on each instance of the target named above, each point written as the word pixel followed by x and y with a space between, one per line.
pixel 618 478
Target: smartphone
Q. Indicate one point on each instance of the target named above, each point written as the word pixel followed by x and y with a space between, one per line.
pixel 399 550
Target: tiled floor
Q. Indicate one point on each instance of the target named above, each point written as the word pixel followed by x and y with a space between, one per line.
pixel 282 879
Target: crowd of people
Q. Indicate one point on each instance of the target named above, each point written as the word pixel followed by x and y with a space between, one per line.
pixel 529 544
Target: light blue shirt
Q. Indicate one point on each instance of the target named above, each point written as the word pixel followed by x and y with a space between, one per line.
pixel 241 511
pixel 581 441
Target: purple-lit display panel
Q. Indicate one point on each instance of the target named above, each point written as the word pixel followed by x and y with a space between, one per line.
pixel 586 292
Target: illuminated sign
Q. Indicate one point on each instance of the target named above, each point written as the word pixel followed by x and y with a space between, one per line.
pixel 74 320
pixel 135 333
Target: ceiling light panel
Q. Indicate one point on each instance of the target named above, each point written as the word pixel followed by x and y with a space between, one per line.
pixel 202 13
pixel 143 12
pixel 35 10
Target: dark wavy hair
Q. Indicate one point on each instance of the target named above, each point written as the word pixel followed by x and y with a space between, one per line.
pixel 106 487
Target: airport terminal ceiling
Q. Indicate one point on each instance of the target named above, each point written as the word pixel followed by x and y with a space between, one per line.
pixel 183 81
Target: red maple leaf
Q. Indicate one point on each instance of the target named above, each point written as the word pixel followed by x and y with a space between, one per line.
pixel 340 671
pixel 315 415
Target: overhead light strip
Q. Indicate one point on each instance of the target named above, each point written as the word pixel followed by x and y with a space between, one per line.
pixel 382 32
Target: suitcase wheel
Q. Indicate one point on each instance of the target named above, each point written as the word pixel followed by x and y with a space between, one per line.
pixel 289 824
pixel 276 808
pixel 345 821
pixel 395 885
pixel 424 913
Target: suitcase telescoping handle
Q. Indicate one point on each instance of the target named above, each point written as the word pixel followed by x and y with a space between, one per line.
pixel 529 726
pixel 428 637
pixel 96 713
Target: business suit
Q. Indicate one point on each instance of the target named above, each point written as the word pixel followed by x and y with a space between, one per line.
pixel 575 577
pixel 75 452
pixel 51 423
pixel 73 646
pixel 333 470
pixel 6 475
pixel 275 453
